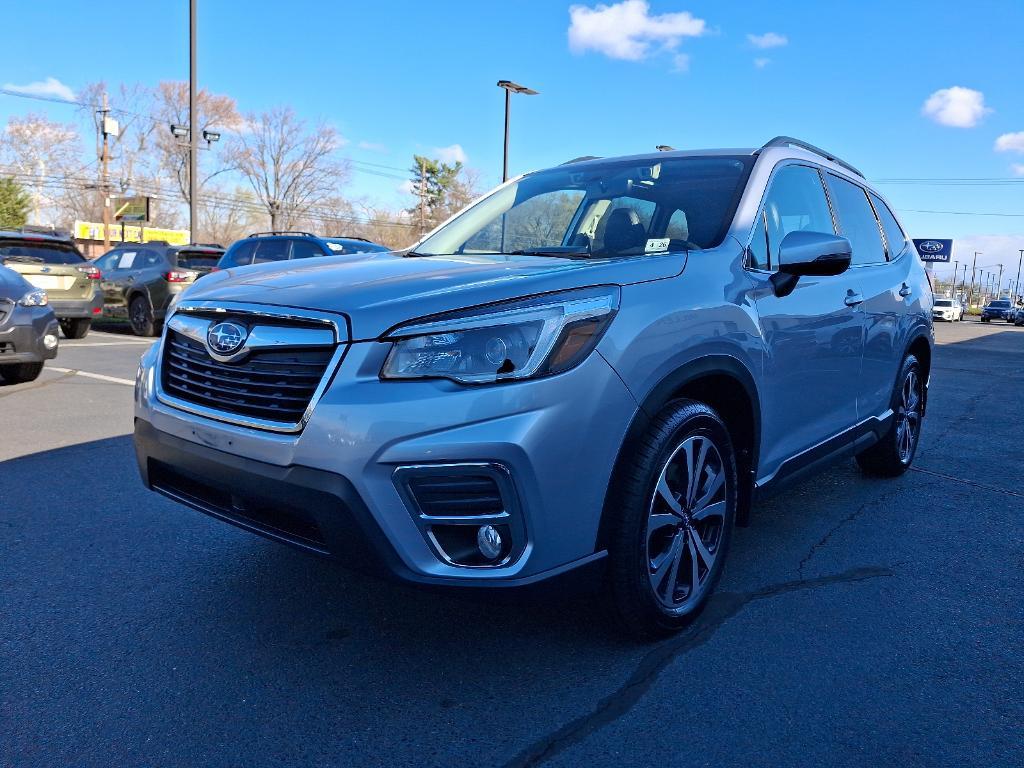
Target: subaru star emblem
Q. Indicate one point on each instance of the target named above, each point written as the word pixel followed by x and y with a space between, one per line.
pixel 226 338
pixel 930 246
pixel 45 269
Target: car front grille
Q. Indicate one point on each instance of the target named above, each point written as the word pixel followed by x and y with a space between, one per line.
pixel 271 385
pixel 5 309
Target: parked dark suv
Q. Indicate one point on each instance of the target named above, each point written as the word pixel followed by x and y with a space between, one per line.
pixel 997 309
pixel 263 247
pixel 141 279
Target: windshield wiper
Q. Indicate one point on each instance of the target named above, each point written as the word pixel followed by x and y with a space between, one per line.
pixel 557 251
pixel 416 254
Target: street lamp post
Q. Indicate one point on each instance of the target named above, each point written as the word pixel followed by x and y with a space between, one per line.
pixel 193 137
pixel 509 88
pixel 1019 260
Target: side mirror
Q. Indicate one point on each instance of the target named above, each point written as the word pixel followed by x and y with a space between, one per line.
pixel 807 254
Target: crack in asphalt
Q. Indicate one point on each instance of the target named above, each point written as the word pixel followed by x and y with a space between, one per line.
pixel 719 610
pixel 38 384
pixel 964 481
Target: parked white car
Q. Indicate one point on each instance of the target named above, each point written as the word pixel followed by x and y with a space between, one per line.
pixel 947 309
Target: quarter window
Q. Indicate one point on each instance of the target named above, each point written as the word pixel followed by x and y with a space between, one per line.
pixel 795 202
pixel 857 221
pixel 897 240
pixel 271 250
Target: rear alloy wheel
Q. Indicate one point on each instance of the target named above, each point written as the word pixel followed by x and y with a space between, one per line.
pixel 673 521
pixel 140 315
pixel 20 373
pixel 893 454
pixel 75 328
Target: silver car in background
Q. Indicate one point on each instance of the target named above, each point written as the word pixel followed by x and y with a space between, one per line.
pixel 594 370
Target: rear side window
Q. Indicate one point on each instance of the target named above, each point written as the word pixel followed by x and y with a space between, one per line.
pixel 857 221
pixel 39 253
pixel 271 250
pixel 894 234
pixel 795 202
pixel 304 249
pixel 238 255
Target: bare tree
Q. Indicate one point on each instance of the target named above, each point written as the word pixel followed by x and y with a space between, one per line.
pixel 46 158
pixel 291 169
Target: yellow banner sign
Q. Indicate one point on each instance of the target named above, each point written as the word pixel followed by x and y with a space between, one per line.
pixel 90 230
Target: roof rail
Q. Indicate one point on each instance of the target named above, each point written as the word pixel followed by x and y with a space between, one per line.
pixel 789 141
pixel 35 229
pixel 351 237
pixel 281 232
pixel 581 159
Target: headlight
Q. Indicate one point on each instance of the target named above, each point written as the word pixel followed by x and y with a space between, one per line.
pixel 36 298
pixel 546 335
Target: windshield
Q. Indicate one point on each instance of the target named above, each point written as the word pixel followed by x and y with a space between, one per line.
pixel 39 253
pixel 1002 304
pixel 944 303
pixel 611 209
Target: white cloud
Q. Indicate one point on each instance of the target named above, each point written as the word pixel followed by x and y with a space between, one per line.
pixel 407 187
pixel 768 40
pixel 1018 169
pixel 628 31
pixel 957 107
pixel 681 62
pixel 453 154
pixel 1010 142
pixel 762 63
pixel 51 87
pixel 372 146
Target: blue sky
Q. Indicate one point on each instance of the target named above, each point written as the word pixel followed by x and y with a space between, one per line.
pixel 402 77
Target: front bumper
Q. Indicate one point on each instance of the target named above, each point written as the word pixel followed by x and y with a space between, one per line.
pixel 78 308
pixel 950 316
pixel 22 334
pixel 333 487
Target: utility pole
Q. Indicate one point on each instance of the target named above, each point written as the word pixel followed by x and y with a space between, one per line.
pixel 952 285
pixel 193 137
pixel 970 297
pixel 999 285
pixel 105 172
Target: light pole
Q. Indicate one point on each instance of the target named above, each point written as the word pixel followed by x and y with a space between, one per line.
pixel 1019 260
pixel 193 138
pixel 509 88
pixel 974 264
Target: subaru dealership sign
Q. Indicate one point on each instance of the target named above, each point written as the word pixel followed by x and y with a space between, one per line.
pixel 934 250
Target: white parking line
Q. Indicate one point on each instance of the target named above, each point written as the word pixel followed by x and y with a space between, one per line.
pixel 76 345
pixel 99 376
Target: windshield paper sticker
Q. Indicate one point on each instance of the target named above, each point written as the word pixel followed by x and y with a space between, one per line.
pixel 657 244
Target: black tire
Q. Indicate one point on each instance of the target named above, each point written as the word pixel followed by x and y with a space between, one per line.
pixel 893 454
pixel 20 373
pixel 140 315
pixel 642 520
pixel 75 327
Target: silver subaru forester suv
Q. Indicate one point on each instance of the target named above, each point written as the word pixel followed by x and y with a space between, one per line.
pixel 594 370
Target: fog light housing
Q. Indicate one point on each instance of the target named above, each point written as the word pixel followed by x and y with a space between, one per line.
pixel 50 341
pixel 489 542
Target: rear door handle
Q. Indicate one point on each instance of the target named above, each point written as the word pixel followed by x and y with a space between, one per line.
pixel 853 299
pixel 906 290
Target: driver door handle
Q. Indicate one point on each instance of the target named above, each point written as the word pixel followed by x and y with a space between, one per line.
pixel 906 290
pixel 853 299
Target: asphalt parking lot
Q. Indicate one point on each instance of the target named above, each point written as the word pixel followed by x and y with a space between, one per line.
pixel 859 622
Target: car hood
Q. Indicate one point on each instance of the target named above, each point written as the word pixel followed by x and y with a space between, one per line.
pixel 379 290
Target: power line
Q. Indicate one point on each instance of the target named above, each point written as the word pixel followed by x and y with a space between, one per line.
pixel 961 213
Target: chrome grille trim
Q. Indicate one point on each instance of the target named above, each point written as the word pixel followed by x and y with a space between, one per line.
pixel 187 312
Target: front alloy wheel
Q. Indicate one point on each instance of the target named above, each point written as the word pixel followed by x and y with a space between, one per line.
pixel 908 416
pixel 685 523
pixel 671 512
